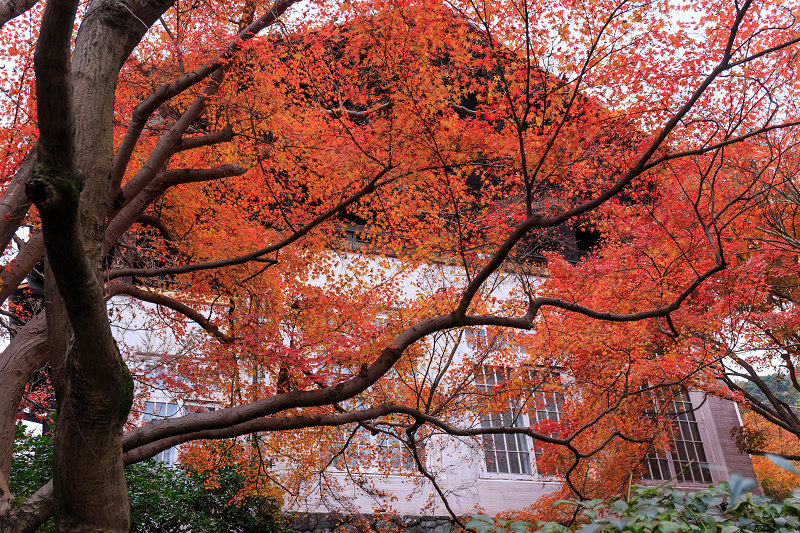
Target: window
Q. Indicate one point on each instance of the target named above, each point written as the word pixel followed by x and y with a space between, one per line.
pixel 482 339
pixel 477 338
pixel 511 453
pixel 200 406
pixel 506 454
pixel 686 461
pixel 391 454
pixel 154 410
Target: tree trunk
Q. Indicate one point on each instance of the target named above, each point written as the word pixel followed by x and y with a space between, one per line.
pixel 93 387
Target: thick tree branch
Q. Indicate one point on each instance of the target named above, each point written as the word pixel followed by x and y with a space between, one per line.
pixel 180 176
pixel 166 92
pixel 199 141
pixel 25 354
pixel 765 454
pixel 14 203
pixel 30 254
pixel 165 148
pixel 53 87
pixel 773 410
pixel 10 9
pixel 144 16
pixel 32 513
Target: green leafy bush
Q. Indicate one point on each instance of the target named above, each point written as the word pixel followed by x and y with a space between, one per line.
pixel 164 499
pixel 723 508
pixel 31 464
pixel 169 499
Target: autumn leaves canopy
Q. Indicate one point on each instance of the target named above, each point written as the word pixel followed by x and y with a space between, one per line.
pixel 336 213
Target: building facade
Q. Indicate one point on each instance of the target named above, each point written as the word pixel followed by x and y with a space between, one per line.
pixel 373 473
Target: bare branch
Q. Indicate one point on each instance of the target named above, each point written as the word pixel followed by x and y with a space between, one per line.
pixel 160 299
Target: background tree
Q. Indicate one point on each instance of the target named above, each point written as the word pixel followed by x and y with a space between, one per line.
pixel 759 343
pixel 761 438
pixel 472 144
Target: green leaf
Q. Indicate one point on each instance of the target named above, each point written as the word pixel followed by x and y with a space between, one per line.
pixel 739 485
pixel 591 528
pixel 651 511
pixel 783 463
pixel 481 523
pixel 519 527
pixel 619 523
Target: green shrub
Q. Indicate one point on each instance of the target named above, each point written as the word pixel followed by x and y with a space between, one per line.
pixel 170 499
pixel 31 464
pixel 164 499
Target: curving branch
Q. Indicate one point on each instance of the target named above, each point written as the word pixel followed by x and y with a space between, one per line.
pixel 537 220
pixel 537 303
pixel 369 188
pixel 774 410
pixel 116 289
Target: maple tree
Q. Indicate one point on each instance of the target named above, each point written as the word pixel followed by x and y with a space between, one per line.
pixel 225 150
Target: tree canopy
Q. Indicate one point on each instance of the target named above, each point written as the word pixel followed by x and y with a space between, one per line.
pixel 341 216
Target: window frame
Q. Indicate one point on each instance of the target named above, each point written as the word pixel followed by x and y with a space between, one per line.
pixel 676 463
pixel 538 406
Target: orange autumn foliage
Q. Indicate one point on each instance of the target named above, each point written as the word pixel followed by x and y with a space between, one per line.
pixel 776 482
pixel 328 221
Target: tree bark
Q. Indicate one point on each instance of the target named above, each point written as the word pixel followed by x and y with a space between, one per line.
pixel 70 189
pixel 14 204
pixel 25 354
pixel 10 9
